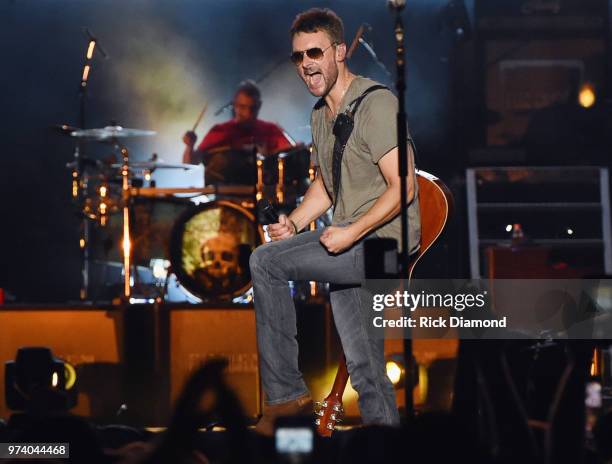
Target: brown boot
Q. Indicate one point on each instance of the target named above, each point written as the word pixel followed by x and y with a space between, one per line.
pixel 301 406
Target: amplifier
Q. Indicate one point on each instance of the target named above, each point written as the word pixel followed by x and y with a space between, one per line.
pixel 200 333
pixel 88 339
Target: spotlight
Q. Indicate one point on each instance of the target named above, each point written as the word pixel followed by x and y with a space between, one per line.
pixel 395 372
pixel 586 95
pixel 37 380
pixel 90 49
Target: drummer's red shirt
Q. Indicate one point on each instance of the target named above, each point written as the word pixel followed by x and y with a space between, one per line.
pixel 237 135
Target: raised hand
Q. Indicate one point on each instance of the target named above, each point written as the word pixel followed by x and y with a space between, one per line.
pixel 190 138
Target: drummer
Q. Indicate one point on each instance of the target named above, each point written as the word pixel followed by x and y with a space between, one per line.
pixel 244 132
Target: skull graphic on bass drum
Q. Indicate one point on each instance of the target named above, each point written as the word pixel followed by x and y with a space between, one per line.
pixel 210 248
pixel 220 256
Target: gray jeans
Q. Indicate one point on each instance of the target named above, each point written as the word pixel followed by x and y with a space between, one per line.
pixel 304 258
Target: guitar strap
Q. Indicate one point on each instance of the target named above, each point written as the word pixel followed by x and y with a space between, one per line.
pixel 343 127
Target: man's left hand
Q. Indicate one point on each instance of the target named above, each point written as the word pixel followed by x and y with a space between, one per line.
pixel 337 239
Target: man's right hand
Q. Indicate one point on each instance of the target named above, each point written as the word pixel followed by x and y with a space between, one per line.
pixel 282 229
pixel 190 138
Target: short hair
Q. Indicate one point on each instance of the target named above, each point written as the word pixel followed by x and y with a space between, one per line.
pixel 319 19
pixel 249 88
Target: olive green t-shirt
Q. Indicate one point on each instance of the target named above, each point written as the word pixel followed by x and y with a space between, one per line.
pixel 361 181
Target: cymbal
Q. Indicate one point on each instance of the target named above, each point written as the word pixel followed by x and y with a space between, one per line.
pixel 110 133
pixel 152 165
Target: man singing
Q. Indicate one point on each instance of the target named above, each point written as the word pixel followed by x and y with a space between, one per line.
pixel 366 204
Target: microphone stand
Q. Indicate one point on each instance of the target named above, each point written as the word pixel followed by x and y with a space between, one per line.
pixel 259 80
pixel 370 49
pixel 78 177
pixel 402 148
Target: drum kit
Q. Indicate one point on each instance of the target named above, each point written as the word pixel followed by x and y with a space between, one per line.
pixel 161 241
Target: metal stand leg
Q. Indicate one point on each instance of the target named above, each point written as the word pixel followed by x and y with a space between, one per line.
pixel 84 245
pixel 126 243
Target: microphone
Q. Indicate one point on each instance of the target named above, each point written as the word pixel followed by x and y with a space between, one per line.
pixel 396 5
pixel 357 38
pixel 223 108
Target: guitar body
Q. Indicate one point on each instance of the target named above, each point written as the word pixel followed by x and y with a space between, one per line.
pixel 436 206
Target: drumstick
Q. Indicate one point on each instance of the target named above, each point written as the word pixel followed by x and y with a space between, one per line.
pixel 200 116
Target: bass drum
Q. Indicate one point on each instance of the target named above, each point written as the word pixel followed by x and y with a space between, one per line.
pixel 210 249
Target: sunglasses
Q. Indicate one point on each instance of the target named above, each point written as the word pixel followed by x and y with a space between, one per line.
pixel 315 53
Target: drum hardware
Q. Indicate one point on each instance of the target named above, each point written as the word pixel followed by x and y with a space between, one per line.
pixel 99 205
pixel 283 176
pixel 248 204
pixel 153 165
pixel 280 185
pixel 64 129
pixel 237 190
pixel 311 177
pixel 110 134
pixel 126 244
pixel 260 179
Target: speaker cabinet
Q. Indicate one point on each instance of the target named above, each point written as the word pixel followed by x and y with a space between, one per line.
pixel 198 334
pixel 88 339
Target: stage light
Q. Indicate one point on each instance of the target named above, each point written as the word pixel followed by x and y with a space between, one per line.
pixel 395 372
pixel 85 74
pixel 570 231
pixel 82 243
pixel 133 300
pixel 126 245
pixel 586 95
pixel 159 266
pixel 509 228
pixel 90 49
pixel 37 380
pixel 423 381
pixel 70 376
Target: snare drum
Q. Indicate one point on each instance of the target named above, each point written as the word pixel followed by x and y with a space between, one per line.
pixel 210 249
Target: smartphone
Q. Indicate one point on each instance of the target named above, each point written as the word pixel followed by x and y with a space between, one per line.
pixel 294 437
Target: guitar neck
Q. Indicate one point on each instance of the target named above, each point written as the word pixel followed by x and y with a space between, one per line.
pixel 340 381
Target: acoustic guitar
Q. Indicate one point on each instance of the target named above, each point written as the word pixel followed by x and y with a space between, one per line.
pixel 436 205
